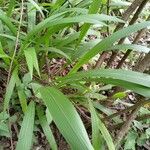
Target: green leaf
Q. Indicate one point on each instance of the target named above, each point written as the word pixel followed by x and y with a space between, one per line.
pixel 119 95
pixel 82 50
pixel 48 117
pixel 21 95
pixel 66 118
pixel 119 74
pixel 46 129
pixel 142 90
pixel 108 42
pixel 31 17
pixel 40 27
pixel 119 3
pixel 100 125
pixel 92 10
pixel 58 20
pixel 58 3
pixel 10 7
pixel 37 7
pixel 10 88
pixel 131 140
pixel 13 38
pixel 68 39
pixel 138 82
pixel 22 98
pixel 4 130
pixel 135 47
pixel 4 56
pixel 3 116
pixel 32 61
pixel 58 51
pixel 8 23
pixel 96 136
pixel 26 132
pixel 107 111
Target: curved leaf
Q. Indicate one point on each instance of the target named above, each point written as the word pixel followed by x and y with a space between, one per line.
pixel 135 81
pixel 119 74
pixel 108 42
pixel 66 118
pixel 56 20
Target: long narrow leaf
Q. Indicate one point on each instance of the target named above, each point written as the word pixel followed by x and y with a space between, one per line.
pixel 32 60
pixel 7 21
pixel 37 7
pixel 108 42
pixel 66 118
pixel 26 132
pixel 10 88
pixel 119 74
pixel 46 129
pixel 92 10
pixel 102 128
pixel 96 136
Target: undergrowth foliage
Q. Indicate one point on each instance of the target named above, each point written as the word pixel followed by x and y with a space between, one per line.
pixel 48 50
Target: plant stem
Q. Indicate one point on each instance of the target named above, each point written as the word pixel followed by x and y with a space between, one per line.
pixel 16 44
pixel 11 64
pixel 124 110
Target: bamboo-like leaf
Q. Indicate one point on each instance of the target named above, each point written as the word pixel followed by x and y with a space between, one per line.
pixel 10 7
pixel 92 10
pixel 108 42
pixel 4 130
pixel 57 20
pixel 32 61
pixel 67 40
pixel 46 129
pixel 142 90
pixel 119 74
pixel 10 88
pixel 31 17
pixel 8 23
pixel 4 56
pixel 58 3
pixel 66 118
pixel 102 128
pixel 138 82
pixel 96 136
pixel 22 98
pixel 57 51
pixel 134 47
pixel 37 7
pixel 26 132
pixel 41 26
pixel 82 50
pixel 21 95
pixel 13 38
